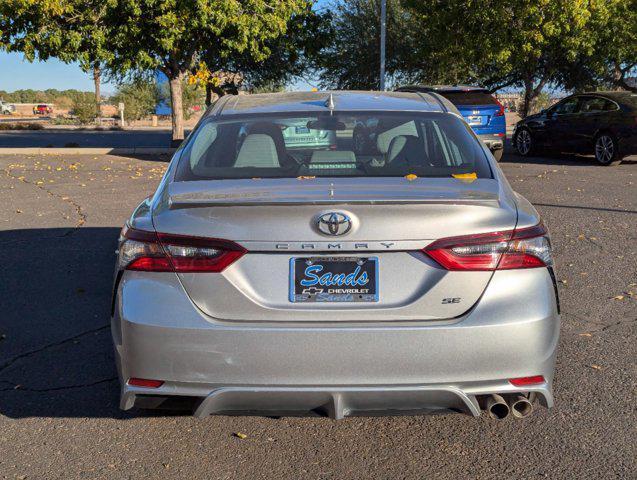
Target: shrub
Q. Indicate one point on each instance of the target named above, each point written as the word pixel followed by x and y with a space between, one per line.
pixel 85 110
pixel 21 126
pixel 140 97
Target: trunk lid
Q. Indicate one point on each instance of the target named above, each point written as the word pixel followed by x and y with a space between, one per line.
pixel 392 220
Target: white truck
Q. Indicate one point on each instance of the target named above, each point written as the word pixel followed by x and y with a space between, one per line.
pixel 6 109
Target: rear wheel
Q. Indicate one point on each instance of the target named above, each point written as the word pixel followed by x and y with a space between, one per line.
pixel 523 142
pixel 607 150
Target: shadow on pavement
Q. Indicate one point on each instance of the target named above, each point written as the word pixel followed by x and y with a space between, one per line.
pixel 56 355
pixel 570 159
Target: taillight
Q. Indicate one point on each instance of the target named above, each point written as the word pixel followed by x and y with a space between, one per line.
pixel 500 112
pixel 523 248
pixel 162 252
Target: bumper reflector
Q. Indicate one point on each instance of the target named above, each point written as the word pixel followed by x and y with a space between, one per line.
pixel 524 381
pixel 144 382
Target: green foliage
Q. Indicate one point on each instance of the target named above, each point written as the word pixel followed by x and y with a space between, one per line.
pixel 85 110
pixel 288 56
pixel 352 58
pixel 170 35
pixel 140 97
pixel 500 43
pixel 61 98
pixel 497 43
pixel 71 30
pixel 126 36
pixel 612 56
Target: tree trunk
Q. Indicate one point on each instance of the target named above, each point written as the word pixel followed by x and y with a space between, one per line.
pixel 177 110
pixel 97 75
pixel 208 94
pixel 527 99
pixel 531 92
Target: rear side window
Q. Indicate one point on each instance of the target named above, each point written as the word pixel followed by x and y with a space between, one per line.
pixel 469 98
pixel 596 104
pixel 567 106
pixel 364 144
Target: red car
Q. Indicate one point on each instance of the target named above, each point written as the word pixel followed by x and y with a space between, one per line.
pixel 42 109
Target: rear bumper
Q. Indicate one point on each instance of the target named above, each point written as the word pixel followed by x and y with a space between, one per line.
pixel 341 370
pixel 492 141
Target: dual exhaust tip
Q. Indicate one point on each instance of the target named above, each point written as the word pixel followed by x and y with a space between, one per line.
pixel 499 407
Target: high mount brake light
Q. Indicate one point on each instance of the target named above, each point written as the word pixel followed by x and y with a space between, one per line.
pixel 162 252
pixel 511 249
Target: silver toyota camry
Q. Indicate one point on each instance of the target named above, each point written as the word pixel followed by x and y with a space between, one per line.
pixel 406 278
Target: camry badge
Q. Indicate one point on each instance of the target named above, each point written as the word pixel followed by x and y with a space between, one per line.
pixel 334 223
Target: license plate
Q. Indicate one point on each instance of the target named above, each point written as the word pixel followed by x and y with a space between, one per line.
pixel 334 279
pixel 474 120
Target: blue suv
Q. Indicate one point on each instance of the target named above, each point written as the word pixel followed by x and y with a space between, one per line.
pixel 480 109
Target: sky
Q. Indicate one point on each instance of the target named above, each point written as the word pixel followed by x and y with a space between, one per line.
pixel 17 74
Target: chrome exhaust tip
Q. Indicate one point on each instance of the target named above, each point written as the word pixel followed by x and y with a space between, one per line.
pixel 496 407
pixel 521 407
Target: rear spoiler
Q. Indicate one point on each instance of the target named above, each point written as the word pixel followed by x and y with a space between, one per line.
pixel 197 195
pixel 179 202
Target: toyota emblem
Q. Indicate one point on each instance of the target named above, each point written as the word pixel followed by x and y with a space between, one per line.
pixel 334 223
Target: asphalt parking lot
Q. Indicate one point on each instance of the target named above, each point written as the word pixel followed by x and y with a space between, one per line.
pixel 59 223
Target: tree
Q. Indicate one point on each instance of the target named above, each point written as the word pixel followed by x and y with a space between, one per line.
pixel 612 57
pixel 351 60
pixel 500 43
pixel 288 56
pixel 170 35
pixel 70 30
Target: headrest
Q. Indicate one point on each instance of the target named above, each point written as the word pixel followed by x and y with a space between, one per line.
pixel 258 150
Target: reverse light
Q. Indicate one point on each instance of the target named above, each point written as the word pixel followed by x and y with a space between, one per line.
pixel 524 381
pixel 511 249
pixel 162 252
pixel 145 382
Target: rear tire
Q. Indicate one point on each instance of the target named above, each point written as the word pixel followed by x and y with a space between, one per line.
pixel 607 150
pixel 497 154
pixel 523 142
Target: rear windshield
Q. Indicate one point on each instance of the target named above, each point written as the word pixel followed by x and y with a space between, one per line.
pixel 469 98
pixel 337 145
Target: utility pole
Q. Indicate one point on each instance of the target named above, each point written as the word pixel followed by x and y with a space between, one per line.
pixel 383 21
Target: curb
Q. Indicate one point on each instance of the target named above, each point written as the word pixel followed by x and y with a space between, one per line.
pixel 88 151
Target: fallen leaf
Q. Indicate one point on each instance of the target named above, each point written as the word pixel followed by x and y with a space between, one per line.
pixel 585 335
pixel 596 367
pixel 618 297
pixel 240 435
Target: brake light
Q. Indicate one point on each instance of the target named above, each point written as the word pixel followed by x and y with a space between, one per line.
pixel 162 252
pixel 511 249
pixel 500 112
